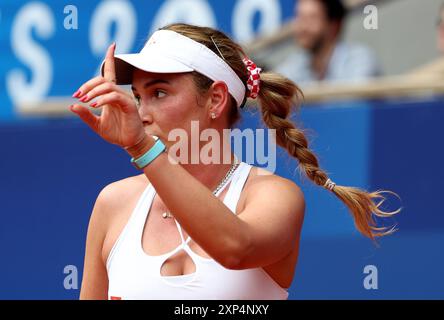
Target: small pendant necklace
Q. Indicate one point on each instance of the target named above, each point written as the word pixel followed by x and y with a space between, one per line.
pixel 230 172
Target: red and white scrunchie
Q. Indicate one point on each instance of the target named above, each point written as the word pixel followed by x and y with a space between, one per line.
pixel 254 79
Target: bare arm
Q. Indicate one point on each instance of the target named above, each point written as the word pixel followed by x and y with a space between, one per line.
pixel 95 279
pixel 263 233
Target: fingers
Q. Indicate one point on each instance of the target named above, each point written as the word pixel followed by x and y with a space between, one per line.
pixel 125 102
pixel 88 86
pixel 96 87
pixel 109 76
pixel 109 70
pixel 87 116
pixel 101 89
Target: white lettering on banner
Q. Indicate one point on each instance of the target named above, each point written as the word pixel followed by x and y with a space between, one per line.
pixel 120 12
pixel 186 11
pixel 33 16
pixel 244 12
pixel 35 21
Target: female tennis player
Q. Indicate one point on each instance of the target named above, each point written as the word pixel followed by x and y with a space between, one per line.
pixel 183 230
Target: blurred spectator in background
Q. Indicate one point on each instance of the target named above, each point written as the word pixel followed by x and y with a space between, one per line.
pixel 323 55
pixel 440 38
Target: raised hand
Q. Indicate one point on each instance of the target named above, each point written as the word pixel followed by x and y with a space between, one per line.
pixel 119 122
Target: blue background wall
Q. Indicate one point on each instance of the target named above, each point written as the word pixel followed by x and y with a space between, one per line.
pixel 49 182
pixel 49 178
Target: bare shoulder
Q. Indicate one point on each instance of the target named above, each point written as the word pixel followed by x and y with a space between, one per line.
pixel 109 205
pixel 263 183
pixel 118 195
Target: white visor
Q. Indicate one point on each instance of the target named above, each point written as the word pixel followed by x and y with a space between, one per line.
pixel 170 52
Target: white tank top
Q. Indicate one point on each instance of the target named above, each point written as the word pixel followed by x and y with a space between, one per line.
pixel 133 274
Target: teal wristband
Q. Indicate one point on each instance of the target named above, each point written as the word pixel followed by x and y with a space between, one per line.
pixel 150 155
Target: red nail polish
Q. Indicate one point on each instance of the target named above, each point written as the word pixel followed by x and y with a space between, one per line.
pixel 77 94
pixel 94 104
pixel 84 98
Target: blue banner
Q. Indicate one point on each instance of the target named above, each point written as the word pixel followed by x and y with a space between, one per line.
pixel 48 48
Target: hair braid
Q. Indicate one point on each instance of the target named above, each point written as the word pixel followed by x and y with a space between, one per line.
pixel 276 100
pixel 276 103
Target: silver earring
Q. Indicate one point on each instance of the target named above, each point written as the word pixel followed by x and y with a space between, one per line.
pixel 213 115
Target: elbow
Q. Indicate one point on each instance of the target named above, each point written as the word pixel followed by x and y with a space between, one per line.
pixel 231 262
pixel 235 256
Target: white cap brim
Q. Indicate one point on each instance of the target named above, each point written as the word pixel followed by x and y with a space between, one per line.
pixel 151 62
pixel 170 52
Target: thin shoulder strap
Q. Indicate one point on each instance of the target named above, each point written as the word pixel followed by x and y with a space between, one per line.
pixel 237 184
pixel 180 232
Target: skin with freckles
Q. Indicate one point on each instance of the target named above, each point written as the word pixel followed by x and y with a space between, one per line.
pixel 266 228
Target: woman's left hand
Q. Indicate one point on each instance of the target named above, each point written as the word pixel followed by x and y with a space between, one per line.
pixel 119 122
